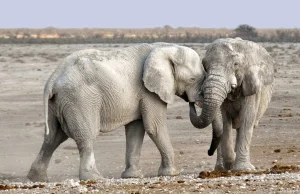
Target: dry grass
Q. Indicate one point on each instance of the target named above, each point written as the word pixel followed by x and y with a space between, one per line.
pixel 166 33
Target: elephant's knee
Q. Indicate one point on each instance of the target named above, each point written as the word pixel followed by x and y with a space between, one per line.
pixel 151 132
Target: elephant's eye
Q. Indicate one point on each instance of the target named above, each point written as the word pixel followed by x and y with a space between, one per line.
pixel 236 64
pixel 192 80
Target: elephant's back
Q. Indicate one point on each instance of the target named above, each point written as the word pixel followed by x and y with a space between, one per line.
pixel 115 70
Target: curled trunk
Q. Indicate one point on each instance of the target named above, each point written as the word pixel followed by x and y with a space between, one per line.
pixel 212 101
pixel 214 93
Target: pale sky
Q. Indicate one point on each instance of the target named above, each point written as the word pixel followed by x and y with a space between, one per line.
pixel 150 13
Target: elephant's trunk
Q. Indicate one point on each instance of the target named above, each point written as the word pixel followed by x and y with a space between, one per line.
pixel 214 95
pixel 217 126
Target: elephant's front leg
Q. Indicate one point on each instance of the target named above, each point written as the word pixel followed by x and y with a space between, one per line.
pixel 162 140
pixel 227 148
pixel 247 119
pixel 154 113
pixel 219 164
pixel 135 133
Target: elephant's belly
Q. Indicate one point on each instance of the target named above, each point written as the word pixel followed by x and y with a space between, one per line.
pixel 109 122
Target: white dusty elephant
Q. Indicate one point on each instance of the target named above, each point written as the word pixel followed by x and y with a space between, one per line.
pixel 237 88
pixel 93 91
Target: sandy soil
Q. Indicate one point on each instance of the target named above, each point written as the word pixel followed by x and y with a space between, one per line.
pixel 24 70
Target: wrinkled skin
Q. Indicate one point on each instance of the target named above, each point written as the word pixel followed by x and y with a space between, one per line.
pixel 239 81
pixel 217 125
pixel 93 91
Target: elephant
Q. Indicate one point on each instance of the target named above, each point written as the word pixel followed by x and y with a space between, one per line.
pixel 235 94
pixel 94 91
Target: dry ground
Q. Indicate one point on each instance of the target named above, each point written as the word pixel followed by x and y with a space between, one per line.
pixel 24 70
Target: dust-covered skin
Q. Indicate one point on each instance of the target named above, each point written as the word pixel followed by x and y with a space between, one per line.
pixel 94 91
pixel 24 70
pixel 240 76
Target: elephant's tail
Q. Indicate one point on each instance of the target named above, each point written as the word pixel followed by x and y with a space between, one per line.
pixel 47 95
pixel 49 87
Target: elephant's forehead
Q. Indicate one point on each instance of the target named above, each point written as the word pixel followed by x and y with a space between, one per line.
pixel 219 51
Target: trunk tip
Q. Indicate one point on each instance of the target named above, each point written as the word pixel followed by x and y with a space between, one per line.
pixel 210 152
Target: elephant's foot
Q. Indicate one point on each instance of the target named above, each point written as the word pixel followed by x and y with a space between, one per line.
pixel 224 166
pixel 90 175
pixel 243 166
pixel 35 175
pixel 229 161
pixel 131 172
pixel 228 165
pixel 167 171
pixel 219 166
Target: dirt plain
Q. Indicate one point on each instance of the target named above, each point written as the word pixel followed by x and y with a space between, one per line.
pixel 24 70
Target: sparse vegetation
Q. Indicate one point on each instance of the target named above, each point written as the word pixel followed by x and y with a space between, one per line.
pixel 245 31
pixel 167 33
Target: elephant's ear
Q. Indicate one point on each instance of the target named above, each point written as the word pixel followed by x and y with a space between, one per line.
pixel 158 75
pixel 258 75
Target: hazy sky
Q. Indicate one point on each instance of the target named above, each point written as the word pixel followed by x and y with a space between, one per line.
pixel 150 13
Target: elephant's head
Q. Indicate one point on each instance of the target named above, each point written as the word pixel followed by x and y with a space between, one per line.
pixel 171 69
pixel 234 67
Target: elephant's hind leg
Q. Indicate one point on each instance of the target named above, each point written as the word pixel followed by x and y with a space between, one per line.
pixel 88 169
pixel 135 133
pixel 38 170
pixel 83 124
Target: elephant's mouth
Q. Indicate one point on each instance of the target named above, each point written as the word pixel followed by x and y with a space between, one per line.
pixel 198 103
pixel 234 94
pixel 199 100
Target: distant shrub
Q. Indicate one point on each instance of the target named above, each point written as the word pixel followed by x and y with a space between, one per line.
pixel 245 31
